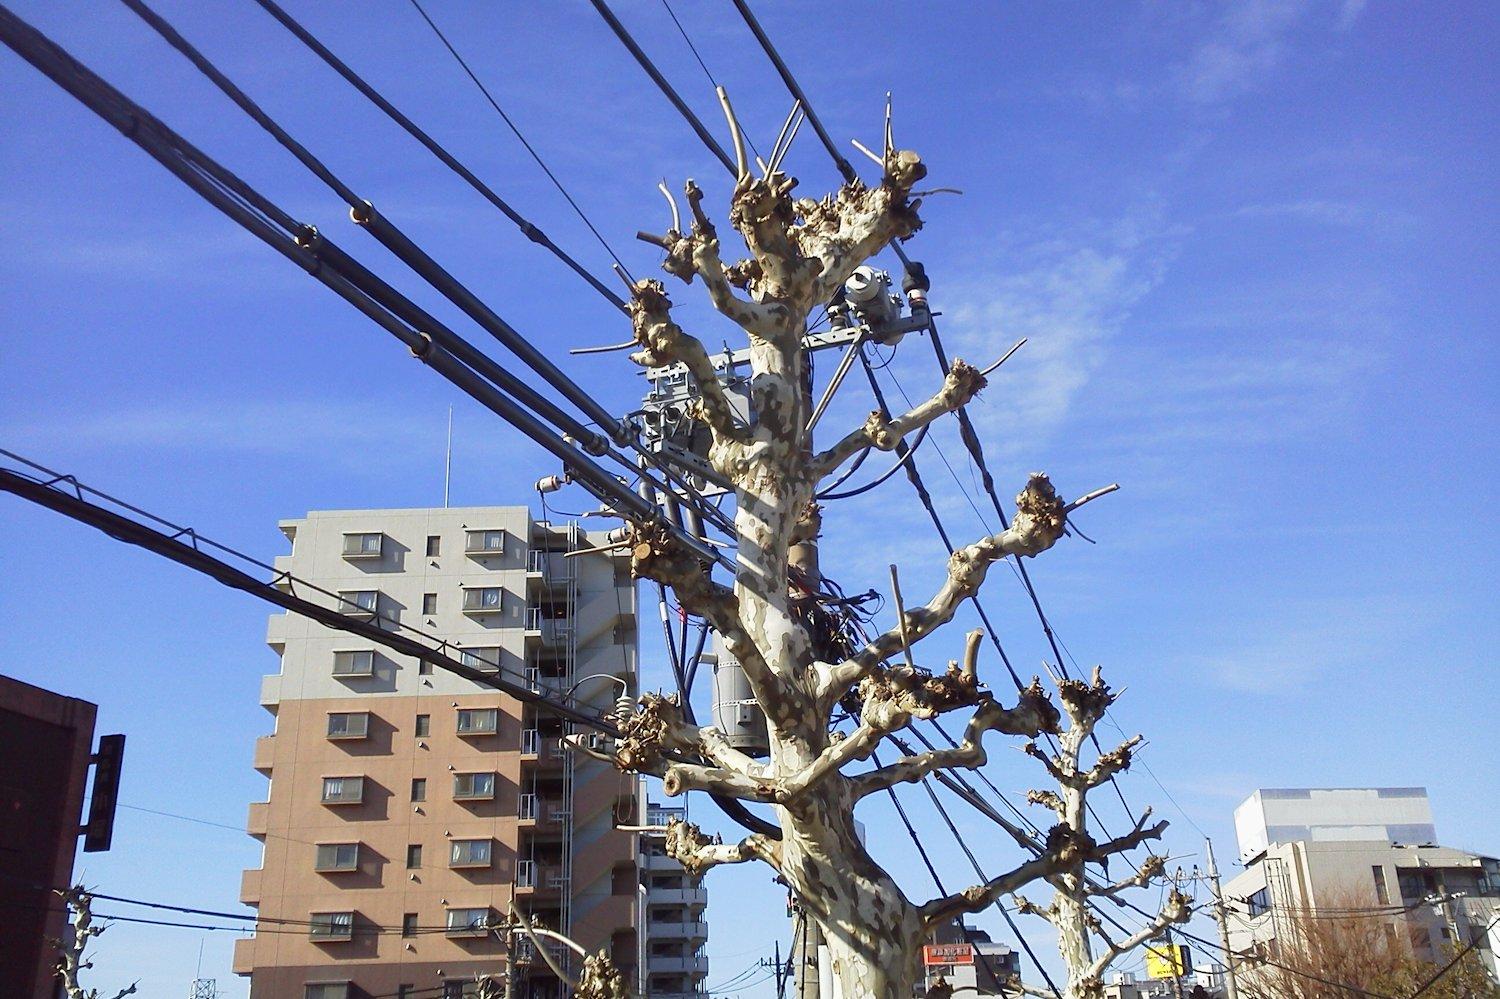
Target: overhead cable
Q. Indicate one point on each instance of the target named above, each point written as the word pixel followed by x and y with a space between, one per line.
pixel 665 87
pixel 517 132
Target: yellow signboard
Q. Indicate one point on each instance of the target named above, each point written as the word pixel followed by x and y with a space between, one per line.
pixel 1167 961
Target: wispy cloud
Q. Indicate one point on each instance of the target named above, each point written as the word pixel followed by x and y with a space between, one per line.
pixel 1070 295
pixel 1247 43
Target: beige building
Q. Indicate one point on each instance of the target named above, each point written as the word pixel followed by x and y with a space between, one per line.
pixel 1305 848
pixel 407 808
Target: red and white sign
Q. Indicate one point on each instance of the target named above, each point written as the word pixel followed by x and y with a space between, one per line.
pixel 954 953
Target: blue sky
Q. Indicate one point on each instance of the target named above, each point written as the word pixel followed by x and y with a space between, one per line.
pixel 1247 243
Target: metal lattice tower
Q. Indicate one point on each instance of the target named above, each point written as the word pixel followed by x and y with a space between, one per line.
pixel 204 988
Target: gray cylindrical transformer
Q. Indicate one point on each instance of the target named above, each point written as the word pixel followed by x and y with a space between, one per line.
pixel 736 713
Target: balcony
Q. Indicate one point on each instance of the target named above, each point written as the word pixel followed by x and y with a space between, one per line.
pixel 259 821
pixel 270 691
pixel 550 632
pixel 244 956
pixel 265 751
pixel 537 812
pixel 677 896
pixel 534 879
pixel 544 750
pixel 547 570
pixel 696 964
pixel 250 886
pixel 661 863
pixel 692 929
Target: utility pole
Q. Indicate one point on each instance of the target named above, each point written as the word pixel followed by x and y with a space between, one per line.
pixel 1231 987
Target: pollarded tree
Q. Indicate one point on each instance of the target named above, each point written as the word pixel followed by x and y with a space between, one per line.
pixel 801 253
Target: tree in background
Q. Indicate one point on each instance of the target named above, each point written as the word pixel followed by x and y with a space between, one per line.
pixel 1348 949
pixel 71 959
pixel 801 253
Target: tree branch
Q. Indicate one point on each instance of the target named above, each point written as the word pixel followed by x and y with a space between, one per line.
pixel 1179 909
pixel 686 844
pixel 1032 715
pixel 1062 851
pixel 658 728
pixel 1039 520
pixel 663 343
pixel 962 383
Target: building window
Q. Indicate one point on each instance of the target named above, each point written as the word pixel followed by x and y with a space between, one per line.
pixel 473 787
pixel 461 988
pixel 1259 903
pixel 419 789
pixel 424 726
pixel 424 668
pixel 434 545
pixel 484 657
pixel 363 545
pixel 1416 885
pixel 343 790
pixel 332 926
pixel 429 603
pixel 413 856
pixel 354 662
pixel 359 603
pixel 470 853
pixel 1382 894
pixel 468 922
pixel 478 721
pixel 337 857
pixel 483 599
pixel 484 542
pixel 348 724
pixel 326 990
pixel 409 926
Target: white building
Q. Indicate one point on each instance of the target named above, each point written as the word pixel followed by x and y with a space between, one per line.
pixel 1307 847
pixel 675 925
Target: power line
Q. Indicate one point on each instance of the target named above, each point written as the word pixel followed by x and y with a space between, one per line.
pixel 514 129
pixel 529 230
pixel 661 83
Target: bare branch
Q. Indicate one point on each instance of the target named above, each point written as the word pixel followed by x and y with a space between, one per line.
pixel 1037 525
pixel 960 386
pixel 1032 715
pixel 686 844
pixel 1062 851
pixel 1150 869
pixel 1178 909
pixel 663 342
pixel 658 728
pixel 1138 835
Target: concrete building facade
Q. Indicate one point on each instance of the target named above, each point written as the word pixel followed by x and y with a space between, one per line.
pixel 674 908
pixel 408 807
pixel 1306 848
pixel 46 740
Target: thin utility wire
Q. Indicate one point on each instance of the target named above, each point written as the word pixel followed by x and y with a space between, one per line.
pixel 514 129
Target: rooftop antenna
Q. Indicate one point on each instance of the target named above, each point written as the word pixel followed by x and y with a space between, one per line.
pixel 448 459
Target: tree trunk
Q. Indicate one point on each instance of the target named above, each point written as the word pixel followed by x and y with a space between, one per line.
pixel 873 933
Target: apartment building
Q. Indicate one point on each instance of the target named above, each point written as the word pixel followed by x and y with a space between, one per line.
pixel 1306 848
pixel 674 917
pixel 409 808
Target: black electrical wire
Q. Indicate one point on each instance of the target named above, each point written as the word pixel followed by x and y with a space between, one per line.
pixel 662 85
pixel 529 230
pixel 703 65
pixel 413 256
pixel 901 462
pixel 984 879
pixel 845 170
pixel 517 132
pixel 322 259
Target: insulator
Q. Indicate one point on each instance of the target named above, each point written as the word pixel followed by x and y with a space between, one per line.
pixel 624 709
pixel 618 536
pixel 552 483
